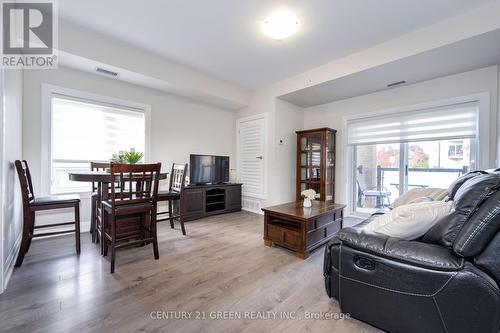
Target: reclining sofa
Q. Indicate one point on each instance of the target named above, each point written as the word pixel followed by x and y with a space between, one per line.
pixel 445 281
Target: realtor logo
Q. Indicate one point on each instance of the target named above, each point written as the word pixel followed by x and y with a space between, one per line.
pixel 29 34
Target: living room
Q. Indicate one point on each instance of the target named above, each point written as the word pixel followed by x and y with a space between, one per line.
pixel 249 107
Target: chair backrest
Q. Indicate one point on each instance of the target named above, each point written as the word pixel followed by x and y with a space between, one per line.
pixel 98 166
pixel 134 183
pixel 178 177
pixel 23 172
pixel 360 180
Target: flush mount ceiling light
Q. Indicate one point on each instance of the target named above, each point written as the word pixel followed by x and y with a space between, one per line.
pixel 281 24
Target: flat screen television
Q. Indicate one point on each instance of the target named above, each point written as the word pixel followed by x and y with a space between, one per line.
pixel 208 169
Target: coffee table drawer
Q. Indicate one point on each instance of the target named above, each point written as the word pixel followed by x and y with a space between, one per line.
pixel 283 235
pixel 292 238
pixel 274 233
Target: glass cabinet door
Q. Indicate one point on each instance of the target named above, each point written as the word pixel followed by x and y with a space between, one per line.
pixel 316 163
pixel 310 162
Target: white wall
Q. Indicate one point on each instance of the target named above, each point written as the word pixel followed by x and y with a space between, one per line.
pixel 10 191
pixel 178 126
pixel 289 118
pixel 498 116
pixel 331 114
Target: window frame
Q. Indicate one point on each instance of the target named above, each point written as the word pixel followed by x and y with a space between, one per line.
pixel 48 92
pixel 481 148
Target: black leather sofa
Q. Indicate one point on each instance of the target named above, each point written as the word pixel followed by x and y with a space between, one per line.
pixel 446 281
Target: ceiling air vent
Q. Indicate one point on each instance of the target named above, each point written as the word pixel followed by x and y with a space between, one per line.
pixel 105 71
pixel 395 84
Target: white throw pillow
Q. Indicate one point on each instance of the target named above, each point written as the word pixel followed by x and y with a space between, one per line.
pixel 420 199
pixel 410 221
pixel 436 194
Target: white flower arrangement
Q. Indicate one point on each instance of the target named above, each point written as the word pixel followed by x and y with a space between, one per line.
pixel 309 194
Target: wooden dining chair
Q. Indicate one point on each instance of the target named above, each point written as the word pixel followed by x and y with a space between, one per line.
pixel 32 204
pixel 134 192
pixel 175 192
pixel 95 201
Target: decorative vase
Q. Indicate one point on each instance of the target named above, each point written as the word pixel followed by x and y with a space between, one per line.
pixel 232 176
pixel 307 203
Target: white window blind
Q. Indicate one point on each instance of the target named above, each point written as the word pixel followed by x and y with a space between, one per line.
pixel 447 122
pixel 84 131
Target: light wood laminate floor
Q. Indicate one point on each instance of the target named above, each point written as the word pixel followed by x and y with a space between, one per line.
pixel 221 268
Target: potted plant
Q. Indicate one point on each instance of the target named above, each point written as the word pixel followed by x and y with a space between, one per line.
pixel 127 157
pixel 308 195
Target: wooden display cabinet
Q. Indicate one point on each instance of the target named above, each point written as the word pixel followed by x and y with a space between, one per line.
pixel 316 162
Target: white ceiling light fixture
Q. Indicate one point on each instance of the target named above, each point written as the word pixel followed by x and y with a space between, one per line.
pixel 281 24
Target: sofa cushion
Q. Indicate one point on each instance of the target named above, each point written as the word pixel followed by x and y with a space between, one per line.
pixel 467 199
pixel 409 221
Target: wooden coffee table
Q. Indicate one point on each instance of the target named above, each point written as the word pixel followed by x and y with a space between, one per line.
pixel 302 229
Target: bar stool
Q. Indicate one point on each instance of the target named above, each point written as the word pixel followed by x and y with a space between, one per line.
pixel 129 216
pixel 95 200
pixel 32 204
pixel 175 192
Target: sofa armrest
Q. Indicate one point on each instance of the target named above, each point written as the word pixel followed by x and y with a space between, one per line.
pixel 411 252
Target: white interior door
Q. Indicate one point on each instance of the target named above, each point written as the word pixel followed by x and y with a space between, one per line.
pixel 251 137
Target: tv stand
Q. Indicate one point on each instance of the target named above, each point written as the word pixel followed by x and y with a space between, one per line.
pixel 211 199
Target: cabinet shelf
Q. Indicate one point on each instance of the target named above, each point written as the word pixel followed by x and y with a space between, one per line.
pixel 214 203
pixel 311 151
pixel 215 195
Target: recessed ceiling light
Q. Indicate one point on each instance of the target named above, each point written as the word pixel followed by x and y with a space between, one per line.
pixel 281 24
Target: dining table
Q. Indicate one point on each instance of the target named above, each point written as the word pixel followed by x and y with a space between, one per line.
pixel 101 178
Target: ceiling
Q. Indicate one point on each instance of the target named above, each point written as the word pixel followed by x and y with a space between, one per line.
pixel 473 53
pixel 223 37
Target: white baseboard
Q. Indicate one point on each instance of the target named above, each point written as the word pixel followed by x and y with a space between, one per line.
pixel 9 263
pixel 253 211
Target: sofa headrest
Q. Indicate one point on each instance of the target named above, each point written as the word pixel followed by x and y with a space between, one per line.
pixel 482 226
pixel 467 200
pixel 453 188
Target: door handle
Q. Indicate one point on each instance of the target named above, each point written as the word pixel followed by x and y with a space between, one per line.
pixel 259 157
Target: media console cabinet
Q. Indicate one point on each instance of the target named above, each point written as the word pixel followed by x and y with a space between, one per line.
pixel 206 200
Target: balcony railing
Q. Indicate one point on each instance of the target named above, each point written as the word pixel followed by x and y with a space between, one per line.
pixel 387 179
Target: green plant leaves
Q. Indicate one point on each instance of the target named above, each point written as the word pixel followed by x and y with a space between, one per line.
pixel 129 157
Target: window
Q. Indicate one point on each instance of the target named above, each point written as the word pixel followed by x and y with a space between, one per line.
pixel 83 131
pixel 456 149
pixel 398 152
